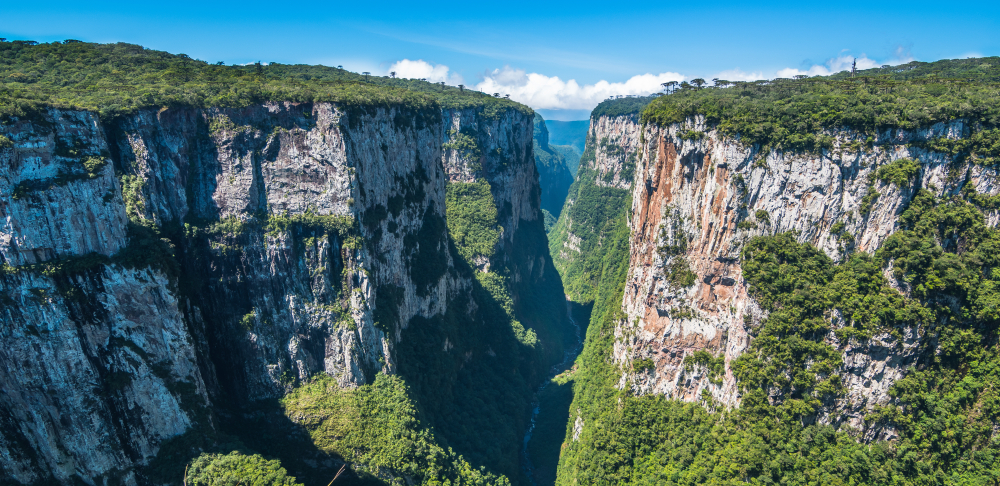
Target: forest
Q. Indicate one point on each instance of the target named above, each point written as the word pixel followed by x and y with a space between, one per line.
pixel 114 79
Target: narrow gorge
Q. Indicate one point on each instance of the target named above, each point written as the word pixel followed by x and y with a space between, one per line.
pixel 291 274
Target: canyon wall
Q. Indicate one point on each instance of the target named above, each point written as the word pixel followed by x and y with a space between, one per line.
pixel 697 197
pixel 162 261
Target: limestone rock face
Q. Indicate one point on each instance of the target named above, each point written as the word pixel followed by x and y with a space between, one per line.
pixel 51 206
pixel 617 148
pixel 94 379
pixel 697 191
pixel 298 232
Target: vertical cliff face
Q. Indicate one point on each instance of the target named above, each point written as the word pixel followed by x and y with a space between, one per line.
pixel 697 200
pixel 99 364
pixel 282 275
pixel 240 252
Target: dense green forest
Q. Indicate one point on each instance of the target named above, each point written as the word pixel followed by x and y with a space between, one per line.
pixel 787 114
pixel 945 409
pixel 590 214
pixel 120 78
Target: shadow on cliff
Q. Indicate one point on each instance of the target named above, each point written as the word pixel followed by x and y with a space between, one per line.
pixel 472 370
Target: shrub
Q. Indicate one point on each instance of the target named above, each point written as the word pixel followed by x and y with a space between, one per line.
pixel 899 172
pixel 237 469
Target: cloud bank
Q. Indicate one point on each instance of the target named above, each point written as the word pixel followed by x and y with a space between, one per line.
pixel 551 92
pixel 537 90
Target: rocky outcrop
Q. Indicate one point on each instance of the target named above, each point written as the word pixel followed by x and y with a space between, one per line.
pixel 53 206
pixel 617 148
pixel 699 197
pixel 304 239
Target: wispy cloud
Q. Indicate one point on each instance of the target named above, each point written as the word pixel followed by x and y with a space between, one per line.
pixel 550 92
pixel 843 62
pixel 501 47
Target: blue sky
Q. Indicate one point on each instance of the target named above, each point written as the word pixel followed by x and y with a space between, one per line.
pixel 530 49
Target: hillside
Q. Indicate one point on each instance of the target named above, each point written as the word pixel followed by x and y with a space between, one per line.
pixel 795 283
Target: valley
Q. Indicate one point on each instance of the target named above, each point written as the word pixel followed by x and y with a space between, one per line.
pixel 289 274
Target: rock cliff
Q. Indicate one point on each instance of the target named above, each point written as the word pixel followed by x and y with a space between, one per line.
pixel 160 262
pixel 697 197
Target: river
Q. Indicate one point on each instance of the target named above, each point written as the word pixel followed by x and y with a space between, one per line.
pixel 536 407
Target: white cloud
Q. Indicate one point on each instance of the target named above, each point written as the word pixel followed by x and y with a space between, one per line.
pixel 738 75
pixel 544 92
pixel 421 69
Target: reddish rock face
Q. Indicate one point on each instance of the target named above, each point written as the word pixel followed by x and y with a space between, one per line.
pixel 699 200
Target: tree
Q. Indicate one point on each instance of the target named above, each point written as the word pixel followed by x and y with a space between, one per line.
pixel 393 74
pixel 698 82
pixel 670 86
pixel 461 88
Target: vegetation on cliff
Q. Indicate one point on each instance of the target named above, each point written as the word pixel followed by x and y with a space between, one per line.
pixel 944 411
pixel 578 241
pixel 113 79
pixel 378 427
pixel 787 114
pixel 235 469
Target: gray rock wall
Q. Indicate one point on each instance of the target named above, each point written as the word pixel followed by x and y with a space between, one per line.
pixel 296 232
